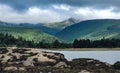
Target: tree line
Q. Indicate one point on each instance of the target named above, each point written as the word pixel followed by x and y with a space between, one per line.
pixel 103 43
pixel 7 40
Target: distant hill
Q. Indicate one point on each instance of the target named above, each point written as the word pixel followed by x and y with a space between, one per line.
pixel 50 28
pixel 27 33
pixel 7 24
pixel 41 27
pixel 63 24
pixel 91 29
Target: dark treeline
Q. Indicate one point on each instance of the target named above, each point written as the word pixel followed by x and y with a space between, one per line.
pixel 103 43
pixel 9 40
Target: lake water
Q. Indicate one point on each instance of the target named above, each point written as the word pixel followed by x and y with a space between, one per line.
pixel 104 56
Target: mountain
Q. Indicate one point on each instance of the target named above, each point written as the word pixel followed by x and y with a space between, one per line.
pixel 41 27
pixel 6 24
pixel 91 29
pixel 27 33
pixel 63 24
pixel 50 28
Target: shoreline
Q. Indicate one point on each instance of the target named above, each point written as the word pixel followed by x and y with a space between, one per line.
pixel 84 49
pixel 70 49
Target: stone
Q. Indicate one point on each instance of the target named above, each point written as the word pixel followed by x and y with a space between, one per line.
pixel 116 65
pixel 84 71
pixel 10 68
pixel 61 64
pixel 22 69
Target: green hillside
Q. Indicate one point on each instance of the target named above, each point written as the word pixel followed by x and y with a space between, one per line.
pixel 27 33
pixel 41 27
pixel 91 29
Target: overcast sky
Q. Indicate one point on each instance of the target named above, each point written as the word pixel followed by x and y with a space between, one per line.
pixel 46 11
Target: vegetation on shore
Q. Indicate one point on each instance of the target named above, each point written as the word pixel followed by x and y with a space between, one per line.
pixel 7 40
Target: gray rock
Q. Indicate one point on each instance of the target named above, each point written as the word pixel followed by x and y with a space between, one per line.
pixel 116 65
pixel 10 68
pixel 84 71
pixel 22 69
pixel 61 64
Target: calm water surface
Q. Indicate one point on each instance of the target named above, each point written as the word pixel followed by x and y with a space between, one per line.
pixel 104 56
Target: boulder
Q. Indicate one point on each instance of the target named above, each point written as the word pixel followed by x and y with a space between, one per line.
pixel 91 65
pixel 61 64
pixel 3 50
pixel 116 65
pixel 30 57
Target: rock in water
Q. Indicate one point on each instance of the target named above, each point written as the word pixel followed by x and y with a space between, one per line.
pixel 117 65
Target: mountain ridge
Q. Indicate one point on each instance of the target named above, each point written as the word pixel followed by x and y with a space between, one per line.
pixel 88 29
pixel 63 24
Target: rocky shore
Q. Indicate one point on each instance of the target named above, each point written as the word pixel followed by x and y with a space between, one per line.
pixel 17 60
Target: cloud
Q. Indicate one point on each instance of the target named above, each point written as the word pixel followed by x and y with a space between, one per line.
pixel 91 13
pixel 24 4
pixel 62 7
pixel 31 15
pixel 55 13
